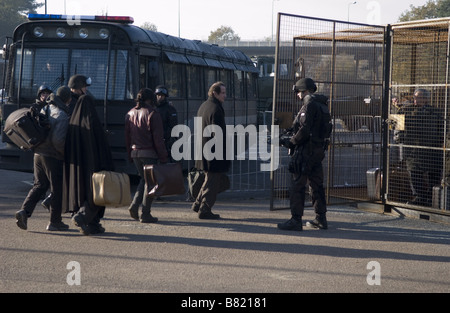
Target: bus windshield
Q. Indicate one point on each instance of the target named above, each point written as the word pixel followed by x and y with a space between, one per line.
pixel 53 67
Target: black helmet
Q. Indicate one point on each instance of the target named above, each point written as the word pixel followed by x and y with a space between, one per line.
pixel 42 89
pixel 63 93
pixel 79 81
pixel 305 84
pixel 161 89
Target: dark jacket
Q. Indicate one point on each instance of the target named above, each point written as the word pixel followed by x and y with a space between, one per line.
pixel 308 137
pixel 308 123
pixel 73 102
pixel 53 146
pixel 144 134
pixel 212 113
pixel 86 151
pixel 169 120
pixel 424 127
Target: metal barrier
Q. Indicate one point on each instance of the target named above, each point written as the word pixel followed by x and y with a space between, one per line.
pixel 418 142
pixel 346 61
pixel 388 90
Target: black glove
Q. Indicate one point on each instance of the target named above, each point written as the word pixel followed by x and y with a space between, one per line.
pixel 286 142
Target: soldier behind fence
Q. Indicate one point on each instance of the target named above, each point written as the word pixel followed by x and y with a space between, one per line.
pixel 423 130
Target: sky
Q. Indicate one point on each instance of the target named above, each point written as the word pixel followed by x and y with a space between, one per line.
pixel 250 19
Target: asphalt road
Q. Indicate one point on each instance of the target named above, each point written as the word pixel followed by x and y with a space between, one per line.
pixel 243 252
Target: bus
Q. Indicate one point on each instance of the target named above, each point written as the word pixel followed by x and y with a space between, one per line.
pixel 120 59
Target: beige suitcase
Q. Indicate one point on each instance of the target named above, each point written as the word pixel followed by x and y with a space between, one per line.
pixel 111 189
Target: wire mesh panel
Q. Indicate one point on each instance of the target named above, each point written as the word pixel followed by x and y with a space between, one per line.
pixel 418 168
pixel 346 61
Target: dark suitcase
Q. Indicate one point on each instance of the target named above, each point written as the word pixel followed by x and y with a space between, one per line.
pixel 24 129
pixel 164 179
pixel 196 178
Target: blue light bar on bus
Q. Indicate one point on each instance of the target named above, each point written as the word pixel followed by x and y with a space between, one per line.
pixel 62 17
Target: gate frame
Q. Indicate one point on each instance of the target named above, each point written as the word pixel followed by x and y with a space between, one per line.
pixel 386 94
pixel 378 31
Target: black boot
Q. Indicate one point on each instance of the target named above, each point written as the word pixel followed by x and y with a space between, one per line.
pixel 147 217
pixel 292 224
pixel 22 218
pixel 319 222
pixel 78 220
pixel 208 215
pixel 134 212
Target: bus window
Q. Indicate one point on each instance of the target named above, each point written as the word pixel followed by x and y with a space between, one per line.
pixel 148 72
pixel 239 85
pixel 174 79
pixel 225 77
pixel 143 82
pixel 211 78
pixel 93 64
pixel 41 66
pixel 194 76
pixel 251 86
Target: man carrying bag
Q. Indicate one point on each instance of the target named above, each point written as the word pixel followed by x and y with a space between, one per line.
pixel 212 113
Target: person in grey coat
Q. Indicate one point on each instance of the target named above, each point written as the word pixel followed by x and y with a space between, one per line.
pixel 48 163
pixel 215 167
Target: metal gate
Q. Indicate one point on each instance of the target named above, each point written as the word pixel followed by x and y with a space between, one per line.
pixel 418 142
pixel 346 60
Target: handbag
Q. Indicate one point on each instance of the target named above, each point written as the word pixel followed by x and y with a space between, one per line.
pixel 195 179
pixel 111 189
pixel 164 179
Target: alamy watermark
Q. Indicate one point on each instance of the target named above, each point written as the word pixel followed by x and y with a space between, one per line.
pixel 374 276
pixel 73 6
pixel 258 138
pixel 74 276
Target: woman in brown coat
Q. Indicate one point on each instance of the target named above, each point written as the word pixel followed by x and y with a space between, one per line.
pixel 144 138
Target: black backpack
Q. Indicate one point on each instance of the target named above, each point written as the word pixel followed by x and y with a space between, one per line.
pixel 27 128
pixel 327 125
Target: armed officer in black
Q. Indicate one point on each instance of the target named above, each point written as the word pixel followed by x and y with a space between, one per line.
pixel 312 128
pixel 169 116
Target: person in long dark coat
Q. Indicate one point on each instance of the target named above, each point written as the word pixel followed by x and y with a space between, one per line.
pixel 212 113
pixel 86 151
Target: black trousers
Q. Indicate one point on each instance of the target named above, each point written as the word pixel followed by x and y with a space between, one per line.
pixel 425 176
pixel 48 172
pixel 311 174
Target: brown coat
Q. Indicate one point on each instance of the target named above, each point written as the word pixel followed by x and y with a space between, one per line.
pixel 144 134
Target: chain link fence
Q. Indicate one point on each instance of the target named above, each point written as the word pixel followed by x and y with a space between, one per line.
pixel 346 61
pixel 418 163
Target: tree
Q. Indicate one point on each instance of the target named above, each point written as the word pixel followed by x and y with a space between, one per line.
pixel 12 13
pixel 149 26
pixel 432 9
pixel 223 33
